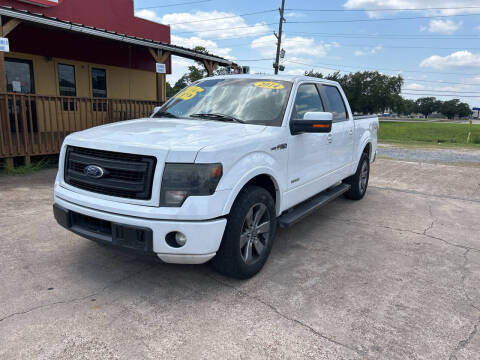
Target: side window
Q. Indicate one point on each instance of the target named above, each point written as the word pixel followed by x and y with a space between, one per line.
pixel 334 102
pixel 308 99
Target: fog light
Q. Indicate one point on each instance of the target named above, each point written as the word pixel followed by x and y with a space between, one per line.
pixel 180 238
pixel 175 239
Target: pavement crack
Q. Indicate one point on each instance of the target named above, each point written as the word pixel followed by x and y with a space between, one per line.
pixel 429 227
pixel 415 192
pixel 464 278
pixel 404 230
pixel 464 343
pixel 80 298
pixel 291 319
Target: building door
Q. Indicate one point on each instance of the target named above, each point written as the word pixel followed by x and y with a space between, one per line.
pixel 19 73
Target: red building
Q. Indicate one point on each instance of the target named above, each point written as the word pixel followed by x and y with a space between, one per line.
pixel 73 64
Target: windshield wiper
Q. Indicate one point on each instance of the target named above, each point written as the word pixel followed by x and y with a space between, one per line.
pixel 218 116
pixel 165 114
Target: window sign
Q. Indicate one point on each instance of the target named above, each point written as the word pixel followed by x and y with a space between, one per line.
pixel 16 86
pixel 4 46
pixel 161 68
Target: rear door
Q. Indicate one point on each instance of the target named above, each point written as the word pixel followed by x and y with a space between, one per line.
pixel 341 147
pixel 308 155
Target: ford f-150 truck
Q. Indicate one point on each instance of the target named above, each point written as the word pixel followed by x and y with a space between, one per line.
pixel 215 170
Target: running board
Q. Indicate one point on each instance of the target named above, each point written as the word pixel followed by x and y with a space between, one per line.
pixel 303 209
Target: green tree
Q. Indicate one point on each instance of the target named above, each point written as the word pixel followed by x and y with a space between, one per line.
pixel 449 108
pixel 427 105
pixel 463 110
pixel 367 91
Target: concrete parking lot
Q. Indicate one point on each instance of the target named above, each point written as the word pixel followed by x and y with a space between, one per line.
pixel 394 276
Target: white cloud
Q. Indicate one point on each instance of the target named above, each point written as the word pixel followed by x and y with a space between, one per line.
pixel 147 14
pixel 413 86
pixel 293 14
pixel 293 46
pixel 443 26
pixel 368 51
pixel 179 67
pixel 457 59
pixel 413 4
pixel 211 46
pixel 198 23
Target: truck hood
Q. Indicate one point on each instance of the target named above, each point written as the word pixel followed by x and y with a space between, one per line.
pixel 182 139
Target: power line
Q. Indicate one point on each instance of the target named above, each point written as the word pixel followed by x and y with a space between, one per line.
pixel 372 46
pixel 439 82
pixel 229 28
pixel 375 20
pixel 392 9
pixel 390 36
pixel 224 17
pixel 171 5
pixel 450 95
pixel 384 69
pixel 250 60
pixel 445 91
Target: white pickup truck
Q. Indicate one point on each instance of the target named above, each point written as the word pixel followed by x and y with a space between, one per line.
pixel 213 172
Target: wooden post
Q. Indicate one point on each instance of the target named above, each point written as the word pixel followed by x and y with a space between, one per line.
pixel 9 164
pixel 160 57
pixel 4 120
pixel 210 66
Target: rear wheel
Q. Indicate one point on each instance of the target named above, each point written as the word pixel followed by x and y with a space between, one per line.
pixel 249 234
pixel 359 181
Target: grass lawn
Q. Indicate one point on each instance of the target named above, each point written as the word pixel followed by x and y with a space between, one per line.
pixel 429 133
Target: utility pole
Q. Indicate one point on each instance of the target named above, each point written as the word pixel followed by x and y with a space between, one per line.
pixel 279 38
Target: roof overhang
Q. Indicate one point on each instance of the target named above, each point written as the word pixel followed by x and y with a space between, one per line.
pixel 101 33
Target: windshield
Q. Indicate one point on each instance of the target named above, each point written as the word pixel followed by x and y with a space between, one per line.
pixel 251 101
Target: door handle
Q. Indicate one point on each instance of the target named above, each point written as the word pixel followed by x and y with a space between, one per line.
pixel 330 138
pixel 350 132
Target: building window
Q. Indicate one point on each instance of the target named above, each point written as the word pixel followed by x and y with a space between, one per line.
pixel 67 85
pixel 66 80
pixel 19 76
pixel 99 88
pixel 99 83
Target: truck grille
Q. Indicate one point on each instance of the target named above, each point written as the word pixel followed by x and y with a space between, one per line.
pixel 125 175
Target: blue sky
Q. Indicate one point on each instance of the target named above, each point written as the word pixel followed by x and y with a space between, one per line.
pixel 437 53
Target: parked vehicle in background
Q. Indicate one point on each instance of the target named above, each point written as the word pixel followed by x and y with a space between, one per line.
pixel 216 169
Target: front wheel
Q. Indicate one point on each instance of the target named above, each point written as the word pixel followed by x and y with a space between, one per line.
pixel 359 181
pixel 249 234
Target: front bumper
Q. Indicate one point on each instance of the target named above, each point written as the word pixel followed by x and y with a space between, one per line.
pixel 142 235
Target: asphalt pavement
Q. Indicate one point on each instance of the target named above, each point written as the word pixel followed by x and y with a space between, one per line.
pixel 393 276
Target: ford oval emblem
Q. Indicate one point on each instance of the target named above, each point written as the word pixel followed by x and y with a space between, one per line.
pixel 93 171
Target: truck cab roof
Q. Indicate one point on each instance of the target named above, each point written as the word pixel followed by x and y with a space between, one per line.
pixel 271 77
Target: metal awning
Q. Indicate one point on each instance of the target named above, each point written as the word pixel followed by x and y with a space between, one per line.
pixel 89 30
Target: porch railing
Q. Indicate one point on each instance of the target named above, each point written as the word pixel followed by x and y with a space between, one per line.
pixel 36 124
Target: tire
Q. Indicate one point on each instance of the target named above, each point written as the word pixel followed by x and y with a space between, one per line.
pixel 248 237
pixel 359 181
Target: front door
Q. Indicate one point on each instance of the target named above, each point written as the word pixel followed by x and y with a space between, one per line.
pixel 308 154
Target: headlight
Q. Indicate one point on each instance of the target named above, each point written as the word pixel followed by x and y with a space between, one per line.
pixel 180 181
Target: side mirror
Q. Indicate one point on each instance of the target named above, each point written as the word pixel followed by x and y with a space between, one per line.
pixel 312 122
pixel 155 109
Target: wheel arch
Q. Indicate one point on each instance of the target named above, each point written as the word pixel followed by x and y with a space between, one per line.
pixel 259 178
